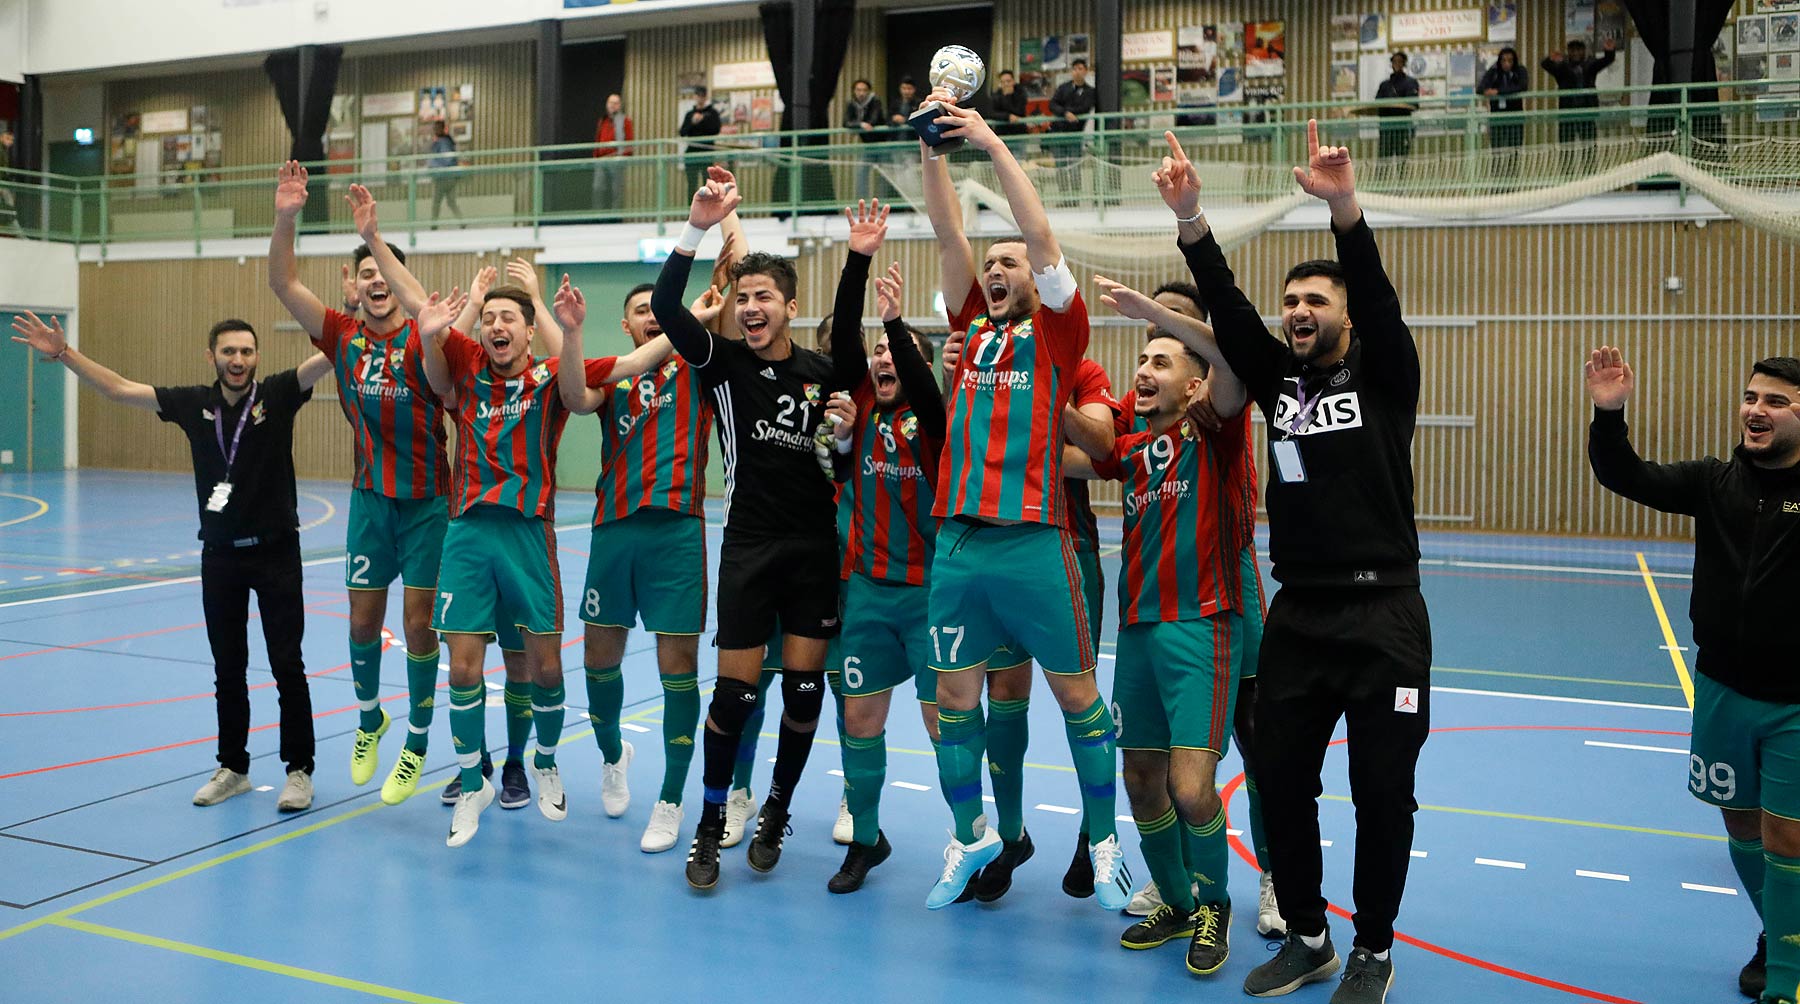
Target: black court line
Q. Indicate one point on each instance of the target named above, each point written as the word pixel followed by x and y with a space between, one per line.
pixel 72 847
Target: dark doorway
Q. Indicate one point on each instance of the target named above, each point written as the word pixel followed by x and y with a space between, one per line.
pixel 913 37
pixel 590 71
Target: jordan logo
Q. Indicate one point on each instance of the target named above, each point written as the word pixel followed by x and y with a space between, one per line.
pixel 1406 699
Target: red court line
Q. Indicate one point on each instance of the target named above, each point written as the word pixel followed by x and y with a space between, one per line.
pixel 1249 856
pixel 101 641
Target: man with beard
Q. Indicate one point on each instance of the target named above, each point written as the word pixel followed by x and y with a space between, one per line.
pixel 1746 701
pixel 241 434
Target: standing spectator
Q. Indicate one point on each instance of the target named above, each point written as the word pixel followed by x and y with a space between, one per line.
pixel 1009 106
pixel 1576 72
pixel 444 176
pixel 862 115
pixel 1397 127
pixel 700 123
pixel 1503 80
pixel 613 127
pixel 9 217
pixel 1072 103
pixel 903 159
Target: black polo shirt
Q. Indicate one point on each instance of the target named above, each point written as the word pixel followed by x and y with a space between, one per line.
pixel 262 503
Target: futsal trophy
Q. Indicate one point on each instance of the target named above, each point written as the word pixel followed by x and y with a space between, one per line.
pixel 956 69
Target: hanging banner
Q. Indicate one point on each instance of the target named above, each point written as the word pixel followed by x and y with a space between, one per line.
pixel 1437 26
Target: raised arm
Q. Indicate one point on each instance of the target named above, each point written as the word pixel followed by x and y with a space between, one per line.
pixel 571 370
pixel 434 330
pixel 312 370
pixel 956 259
pixel 1675 488
pixel 478 291
pixel 404 285
pixel 1227 391
pixel 49 341
pixel 1021 196
pixel 732 251
pixel 849 356
pixel 524 275
pixel 916 381
pixel 712 203
pixel 284 270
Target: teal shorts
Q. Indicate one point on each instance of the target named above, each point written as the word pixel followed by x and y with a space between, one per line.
pixel 1016 587
pixel 1745 753
pixel 508 634
pixel 1252 613
pixel 1093 591
pixel 651 564
pixel 393 538
pixel 1175 684
pixel 496 560
pixel 886 639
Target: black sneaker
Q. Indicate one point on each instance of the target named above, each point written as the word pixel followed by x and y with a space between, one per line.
pixel 1211 944
pixel 515 793
pixel 1366 979
pixel 765 846
pixel 703 856
pixel 1294 966
pixel 857 862
pixel 992 881
pixel 1754 977
pixel 453 790
pixel 1078 881
pixel 1164 925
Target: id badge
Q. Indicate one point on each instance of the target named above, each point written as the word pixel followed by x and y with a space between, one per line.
pixel 221 494
pixel 1288 466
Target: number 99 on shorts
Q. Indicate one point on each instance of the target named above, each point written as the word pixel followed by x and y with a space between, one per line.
pixel 1714 782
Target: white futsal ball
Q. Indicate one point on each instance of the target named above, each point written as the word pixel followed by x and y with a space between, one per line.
pixel 957 69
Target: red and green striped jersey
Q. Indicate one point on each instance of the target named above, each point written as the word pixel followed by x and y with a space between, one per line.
pixel 507 430
pixel 396 422
pixel 892 529
pixel 1092 386
pixel 1180 490
pixel 654 451
pixel 1128 421
pixel 1002 457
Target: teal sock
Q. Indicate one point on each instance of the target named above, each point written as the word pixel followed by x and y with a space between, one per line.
pixel 421 698
pixel 746 758
pixel 1781 919
pixel 1258 841
pixel 1160 839
pixel 518 719
pixel 865 771
pixel 468 731
pixel 1748 858
pixel 547 711
pixel 1091 739
pixel 365 676
pixel 1208 855
pixel 1008 733
pixel 835 680
pixel 681 716
pixel 606 700
pixel 962 736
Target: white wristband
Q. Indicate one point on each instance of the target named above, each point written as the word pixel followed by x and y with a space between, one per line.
pixel 842 445
pixel 690 239
pixel 1198 212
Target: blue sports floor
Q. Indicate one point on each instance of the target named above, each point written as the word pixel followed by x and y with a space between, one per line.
pixel 1559 856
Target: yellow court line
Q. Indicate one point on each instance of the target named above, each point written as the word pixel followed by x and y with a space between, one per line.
pixel 43 507
pixel 249 962
pixel 1522 817
pixel 1662 617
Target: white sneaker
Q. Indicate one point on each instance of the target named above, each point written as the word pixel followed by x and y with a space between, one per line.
pixel 844 830
pixel 665 823
pixel 467 817
pixel 1268 912
pixel 551 800
pixel 740 808
pixel 1145 902
pixel 615 786
pixel 296 794
pixel 1112 880
pixel 224 783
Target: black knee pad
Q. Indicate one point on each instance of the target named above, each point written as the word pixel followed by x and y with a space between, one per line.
pixel 802 696
pixel 733 701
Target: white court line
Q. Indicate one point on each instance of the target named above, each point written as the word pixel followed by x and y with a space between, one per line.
pixel 1233 833
pixel 1697 887
pixel 1634 746
pixel 834 772
pixel 1063 809
pixel 1562 700
pixel 265 787
pixel 1609 876
pixel 632 726
pixel 987 798
pixel 1324 843
pixel 1106 655
pixel 1504 566
pixel 1124 819
pixel 1419 854
pixel 909 786
pixel 1498 863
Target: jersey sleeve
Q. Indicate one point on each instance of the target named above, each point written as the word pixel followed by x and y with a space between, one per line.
pixel 337 327
pixel 973 305
pixel 1127 411
pixel 1066 333
pixel 598 371
pixel 283 392
pixel 464 356
pixel 175 404
pixel 1113 467
pixel 1093 386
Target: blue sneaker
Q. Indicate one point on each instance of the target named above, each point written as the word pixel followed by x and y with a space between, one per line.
pixel 961 862
pixel 515 792
pixel 453 791
pixel 1112 880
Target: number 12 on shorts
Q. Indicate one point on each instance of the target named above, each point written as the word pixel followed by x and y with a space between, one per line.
pixel 1715 781
pixel 948 633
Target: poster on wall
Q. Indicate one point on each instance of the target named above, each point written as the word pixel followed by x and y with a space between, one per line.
pixel 1134 86
pixel 1462 74
pixel 339 124
pixel 1077 46
pixel 1265 48
pixel 432 104
pixel 1162 83
pixel 762 113
pixel 1373 34
pixel 174 120
pixel 375 106
pixel 1031 68
pixel 1056 57
pixel 1503 21
pixel 1610 21
pixel 1724 50
pixel 1784 32
pixel 1578 18
pixel 1424 65
pixel 1146 46
pixel 462 103
pixel 1343 80
pixel 1231 89
pixel 1346 32
pixel 1751 66
pixel 1421 27
pixel 1752 36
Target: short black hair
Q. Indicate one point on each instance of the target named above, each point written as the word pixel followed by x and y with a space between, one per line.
pixel 362 251
pixel 642 287
pixel 926 349
pixel 1397 55
pixel 1577 43
pixel 700 91
pixel 1784 368
pixel 516 295
pixel 1186 349
pixel 1316 267
pixel 1007 73
pixel 1079 62
pixel 1504 51
pixel 235 324
pixel 1187 289
pixel 907 80
pixel 863 81
pixel 772 265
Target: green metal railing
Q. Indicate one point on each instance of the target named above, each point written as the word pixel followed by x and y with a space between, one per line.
pixel 792 174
